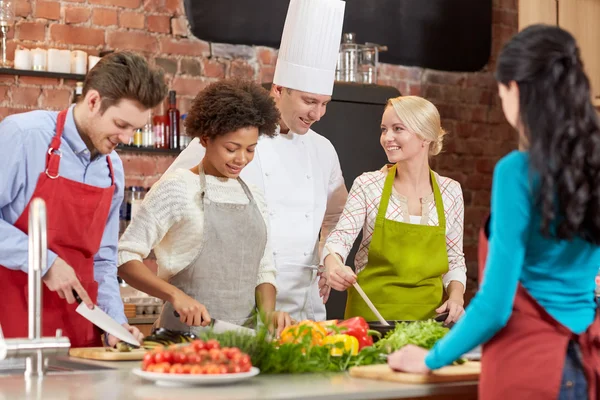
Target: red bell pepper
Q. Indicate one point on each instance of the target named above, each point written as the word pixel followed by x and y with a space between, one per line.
pixel 358 328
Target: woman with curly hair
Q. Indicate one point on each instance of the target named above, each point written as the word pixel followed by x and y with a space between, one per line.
pixel 208 228
pixel 535 309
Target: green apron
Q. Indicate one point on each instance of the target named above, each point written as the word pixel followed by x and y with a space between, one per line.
pixel 403 277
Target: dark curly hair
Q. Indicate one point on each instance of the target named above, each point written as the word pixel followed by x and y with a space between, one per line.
pixel 561 126
pixel 231 104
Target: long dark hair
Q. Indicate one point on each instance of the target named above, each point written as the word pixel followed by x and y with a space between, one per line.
pixel 562 128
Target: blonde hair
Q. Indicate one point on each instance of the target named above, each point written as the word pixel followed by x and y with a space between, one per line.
pixel 422 118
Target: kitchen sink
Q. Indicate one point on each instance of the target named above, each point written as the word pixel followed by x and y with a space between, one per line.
pixel 16 366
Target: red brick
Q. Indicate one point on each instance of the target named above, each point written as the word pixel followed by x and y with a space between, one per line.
pixel 31 31
pixel 38 81
pixel 23 8
pixel 213 68
pixel 164 162
pixel 4 94
pixel 184 47
pixel 443 78
pixel 57 99
pixel 267 56
pixel 25 96
pixel 117 3
pixel 400 73
pixel 132 41
pixel 179 26
pixel 47 9
pixel 266 73
pixel 188 86
pixel 104 17
pixel 174 7
pixel 137 164
pixel 184 104
pixel 241 69
pixel 159 23
pixel 414 89
pixel 74 1
pixel 133 20
pixel 68 34
pixel 77 15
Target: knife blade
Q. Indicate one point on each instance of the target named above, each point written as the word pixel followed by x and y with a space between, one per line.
pixel 219 326
pixel 103 321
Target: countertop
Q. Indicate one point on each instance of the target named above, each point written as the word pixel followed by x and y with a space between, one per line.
pixel 120 383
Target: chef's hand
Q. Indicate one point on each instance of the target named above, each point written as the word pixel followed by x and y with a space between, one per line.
pixel 191 312
pixel 337 277
pixel 61 278
pixel 409 358
pixel 112 340
pixel 454 308
pixel 324 288
pixel 278 320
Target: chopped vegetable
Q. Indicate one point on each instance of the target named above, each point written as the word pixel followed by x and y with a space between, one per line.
pixel 424 334
pixel 165 337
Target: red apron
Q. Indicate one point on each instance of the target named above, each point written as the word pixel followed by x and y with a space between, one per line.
pixel 525 359
pixel 76 217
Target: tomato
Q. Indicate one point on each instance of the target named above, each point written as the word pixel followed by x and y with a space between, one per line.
pixel 213 369
pixel 222 369
pixel 176 369
pixel 163 368
pixel 232 352
pixel 212 344
pixel 197 370
pixel 149 358
pixel 187 368
pixel 163 357
pixel 234 369
pixel 197 345
pixel 180 358
pixel 194 358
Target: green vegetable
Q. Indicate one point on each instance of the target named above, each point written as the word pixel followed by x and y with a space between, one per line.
pixel 424 334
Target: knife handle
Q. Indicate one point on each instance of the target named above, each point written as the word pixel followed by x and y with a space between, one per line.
pixel 77 298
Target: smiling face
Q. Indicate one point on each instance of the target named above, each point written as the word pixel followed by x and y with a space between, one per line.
pixel 299 110
pixel 228 154
pixel 399 143
pixel 105 129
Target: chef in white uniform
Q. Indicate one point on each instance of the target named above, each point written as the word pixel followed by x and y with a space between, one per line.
pixel 299 170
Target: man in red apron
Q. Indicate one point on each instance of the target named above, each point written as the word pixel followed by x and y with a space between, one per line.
pixel 68 160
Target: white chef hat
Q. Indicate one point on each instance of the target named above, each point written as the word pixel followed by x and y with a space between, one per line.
pixel 310 45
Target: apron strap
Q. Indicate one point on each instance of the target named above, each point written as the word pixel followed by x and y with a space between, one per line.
pixel 439 203
pixel 202 177
pixel 54 154
pixel 385 196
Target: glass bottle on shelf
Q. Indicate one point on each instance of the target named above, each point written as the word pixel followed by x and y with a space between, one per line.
pixel 173 114
pixel 161 128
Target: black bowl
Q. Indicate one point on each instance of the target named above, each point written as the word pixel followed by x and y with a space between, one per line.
pixel 384 329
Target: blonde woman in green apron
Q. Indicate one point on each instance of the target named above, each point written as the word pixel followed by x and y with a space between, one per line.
pixel 412 222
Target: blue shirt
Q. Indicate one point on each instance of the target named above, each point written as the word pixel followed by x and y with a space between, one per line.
pixel 559 274
pixel 24 141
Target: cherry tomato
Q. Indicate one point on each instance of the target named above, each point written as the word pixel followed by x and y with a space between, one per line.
pixel 232 352
pixel 215 354
pixel 213 369
pixel 212 344
pixel 197 370
pixel 176 369
pixel 180 358
pixel 149 358
pixel 197 345
pixel 187 368
pixel 163 357
pixel 162 368
pixel 194 358
pixel 234 369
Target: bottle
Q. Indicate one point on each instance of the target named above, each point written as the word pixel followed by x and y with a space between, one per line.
pixel 78 92
pixel 173 114
pixel 183 137
pixel 161 128
pixel 148 138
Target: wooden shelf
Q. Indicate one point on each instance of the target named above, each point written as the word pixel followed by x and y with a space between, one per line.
pixel 147 150
pixel 41 74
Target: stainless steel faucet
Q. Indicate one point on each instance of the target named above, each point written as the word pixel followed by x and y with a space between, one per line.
pixel 35 348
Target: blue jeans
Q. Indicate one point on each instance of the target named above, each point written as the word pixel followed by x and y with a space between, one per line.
pixel 574 384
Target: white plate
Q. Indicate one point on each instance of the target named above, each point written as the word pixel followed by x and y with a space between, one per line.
pixel 163 379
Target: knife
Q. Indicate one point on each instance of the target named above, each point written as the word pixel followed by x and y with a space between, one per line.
pixel 219 326
pixel 103 321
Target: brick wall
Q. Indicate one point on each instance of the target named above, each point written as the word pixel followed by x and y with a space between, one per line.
pixel 468 103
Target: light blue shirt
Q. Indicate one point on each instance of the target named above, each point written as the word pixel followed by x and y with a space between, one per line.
pixel 24 142
pixel 559 274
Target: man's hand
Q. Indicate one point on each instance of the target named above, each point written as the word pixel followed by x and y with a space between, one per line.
pixel 112 341
pixel 61 278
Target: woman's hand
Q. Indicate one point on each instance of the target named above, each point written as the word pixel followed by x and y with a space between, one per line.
pixel 454 308
pixel 410 358
pixel 278 320
pixel 338 277
pixel 112 340
pixel 190 311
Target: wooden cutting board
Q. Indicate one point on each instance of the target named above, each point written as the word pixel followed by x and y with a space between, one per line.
pixel 468 371
pixel 100 353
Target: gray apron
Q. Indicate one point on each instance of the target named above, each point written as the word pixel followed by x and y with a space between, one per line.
pixel 223 276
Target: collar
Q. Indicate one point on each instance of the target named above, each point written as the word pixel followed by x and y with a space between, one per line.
pixel 71 136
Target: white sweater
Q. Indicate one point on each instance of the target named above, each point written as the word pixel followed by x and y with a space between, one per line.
pixel 170 221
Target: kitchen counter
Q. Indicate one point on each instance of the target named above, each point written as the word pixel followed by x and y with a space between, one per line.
pixel 120 383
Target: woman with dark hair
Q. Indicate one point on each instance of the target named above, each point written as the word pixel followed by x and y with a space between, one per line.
pixel 536 307
pixel 208 228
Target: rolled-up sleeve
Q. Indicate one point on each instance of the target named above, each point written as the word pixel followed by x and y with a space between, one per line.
pixel 457 268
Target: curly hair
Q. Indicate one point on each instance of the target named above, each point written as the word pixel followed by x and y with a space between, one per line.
pixel 562 128
pixel 231 104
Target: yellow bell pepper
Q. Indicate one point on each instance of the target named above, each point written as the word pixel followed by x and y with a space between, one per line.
pixel 350 344
pixel 296 333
